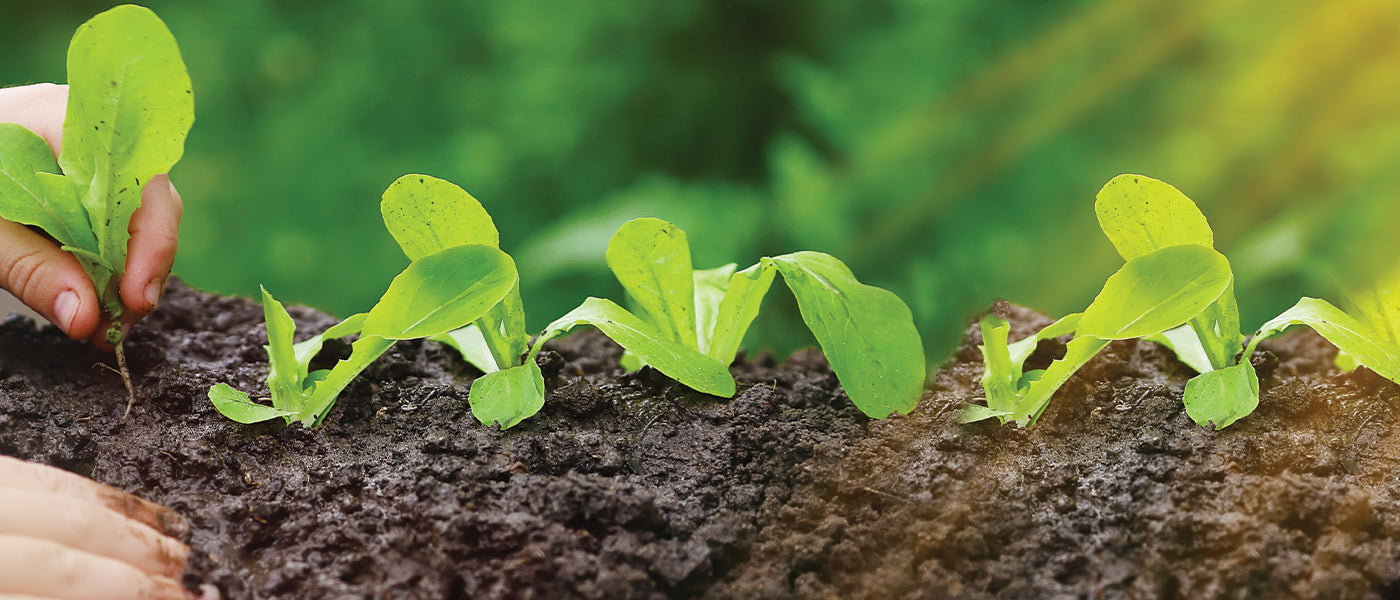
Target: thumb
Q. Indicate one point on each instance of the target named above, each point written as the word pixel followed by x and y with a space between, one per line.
pixel 48 280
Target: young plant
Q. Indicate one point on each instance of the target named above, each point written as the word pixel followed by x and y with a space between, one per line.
pixel 425 215
pixel 1152 293
pixel 1366 335
pixel 130 107
pixel 1140 214
pixel 689 324
pixel 442 289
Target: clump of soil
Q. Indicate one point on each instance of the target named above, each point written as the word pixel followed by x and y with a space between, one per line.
pixel 631 486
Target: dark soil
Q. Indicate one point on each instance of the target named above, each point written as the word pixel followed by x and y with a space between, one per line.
pixel 630 486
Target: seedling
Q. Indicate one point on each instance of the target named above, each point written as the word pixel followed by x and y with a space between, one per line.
pixel 130 107
pixel 425 215
pixel 690 324
pixel 1140 214
pixel 442 289
pixel 1366 335
pixel 1152 293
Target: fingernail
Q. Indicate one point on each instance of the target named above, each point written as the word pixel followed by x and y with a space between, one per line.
pixel 65 309
pixel 154 290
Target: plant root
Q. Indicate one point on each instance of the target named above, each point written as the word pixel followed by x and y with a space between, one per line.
pixel 126 378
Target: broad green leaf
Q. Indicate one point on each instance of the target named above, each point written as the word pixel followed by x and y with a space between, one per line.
pixel 867 333
pixel 283 377
pixel 1140 215
pixel 1345 363
pixel 741 303
pixel 710 286
pixel 681 363
pixel 308 349
pixel 1346 332
pixel 325 391
pixel 1156 292
pixel 427 215
pixel 1021 350
pixel 441 292
pixel 973 413
pixel 508 396
pixel 1183 342
pixel 630 362
pixel 27 198
pixel 1221 397
pixel 651 258
pixel 469 342
pixel 1037 396
pixel 1378 305
pixel 130 107
pixel 238 406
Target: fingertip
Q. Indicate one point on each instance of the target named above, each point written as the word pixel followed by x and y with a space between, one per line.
pixel 155 230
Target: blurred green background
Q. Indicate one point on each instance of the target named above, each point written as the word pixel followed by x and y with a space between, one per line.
pixel 948 150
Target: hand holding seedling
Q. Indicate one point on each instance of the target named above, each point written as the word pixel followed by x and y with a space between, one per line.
pixel 63 536
pixel 128 109
pixel 36 270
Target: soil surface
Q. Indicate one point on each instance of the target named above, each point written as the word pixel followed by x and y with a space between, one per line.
pixel 631 486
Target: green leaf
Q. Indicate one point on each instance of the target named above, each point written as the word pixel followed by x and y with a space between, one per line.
pixel 867 333
pixel 681 363
pixel 1021 350
pixel 325 391
pixel 1378 305
pixel 1223 396
pixel 1349 334
pixel 1156 292
pixel 742 300
pixel 710 286
pixel 1037 396
pixel 508 396
pixel 651 258
pixel 309 348
pixel 1141 215
pixel 283 378
pixel 238 406
pixel 999 376
pixel 503 330
pixel 52 203
pixel 441 292
pixel 427 215
pixel 472 346
pixel 1345 363
pixel 130 107
pixel 972 413
pixel 1183 341
pixel 1218 328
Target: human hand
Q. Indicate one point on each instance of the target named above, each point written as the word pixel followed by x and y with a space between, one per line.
pixel 63 536
pixel 49 280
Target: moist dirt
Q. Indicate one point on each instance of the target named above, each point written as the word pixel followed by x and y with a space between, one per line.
pixel 628 485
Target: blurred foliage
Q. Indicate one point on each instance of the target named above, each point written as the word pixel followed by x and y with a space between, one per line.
pixel 947 150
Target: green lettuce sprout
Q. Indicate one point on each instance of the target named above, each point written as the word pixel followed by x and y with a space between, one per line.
pixel 130 107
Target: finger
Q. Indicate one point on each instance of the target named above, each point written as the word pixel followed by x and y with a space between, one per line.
pixel 155 233
pixel 19 474
pixel 79 525
pixel 51 570
pixel 40 108
pixel 47 279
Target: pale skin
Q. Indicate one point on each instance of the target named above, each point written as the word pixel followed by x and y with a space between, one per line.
pixel 63 536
